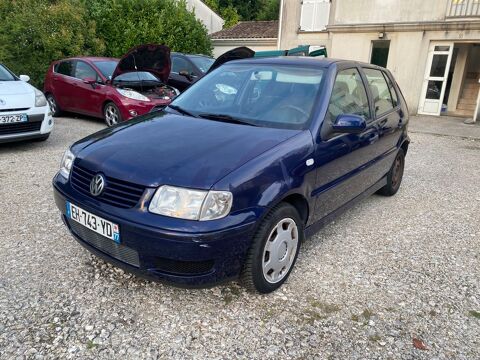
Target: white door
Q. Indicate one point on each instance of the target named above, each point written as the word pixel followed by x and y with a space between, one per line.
pixel 436 75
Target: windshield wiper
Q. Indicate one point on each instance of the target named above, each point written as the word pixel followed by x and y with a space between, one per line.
pixel 226 118
pixel 181 110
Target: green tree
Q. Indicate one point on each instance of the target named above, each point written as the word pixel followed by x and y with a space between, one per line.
pixel 33 33
pixel 122 24
pixel 270 10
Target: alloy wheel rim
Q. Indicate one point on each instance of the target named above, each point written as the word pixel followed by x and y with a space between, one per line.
pixel 280 250
pixel 111 115
pixel 397 171
pixel 51 102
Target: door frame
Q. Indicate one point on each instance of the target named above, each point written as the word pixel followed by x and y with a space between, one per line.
pixel 423 96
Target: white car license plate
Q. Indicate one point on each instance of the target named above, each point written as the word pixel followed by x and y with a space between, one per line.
pixel 93 222
pixel 8 119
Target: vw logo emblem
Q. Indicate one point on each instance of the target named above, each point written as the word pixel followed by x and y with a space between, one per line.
pixel 97 185
pixel 2 102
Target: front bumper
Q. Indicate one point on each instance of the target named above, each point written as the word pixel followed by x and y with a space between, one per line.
pixel 191 259
pixel 133 108
pixel 40 124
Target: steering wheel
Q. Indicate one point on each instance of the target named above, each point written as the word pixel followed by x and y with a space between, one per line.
pixel 297 109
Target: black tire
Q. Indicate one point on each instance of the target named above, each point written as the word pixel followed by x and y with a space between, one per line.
pixel 252 276
pixel 394 176
pixel 108 114
pixel 54 108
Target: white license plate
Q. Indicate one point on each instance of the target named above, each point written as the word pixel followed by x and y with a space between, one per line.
pixel 8 119
pixel 93 222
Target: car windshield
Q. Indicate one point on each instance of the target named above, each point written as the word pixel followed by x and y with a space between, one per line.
pixel 6 75
pixel 202 62
pixel 106 67
pixel 136 76
pixel 278 96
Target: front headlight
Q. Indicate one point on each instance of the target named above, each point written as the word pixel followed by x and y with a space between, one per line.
pixel 191 204
pixel 40 99
pixel 133 95
pixel 66 164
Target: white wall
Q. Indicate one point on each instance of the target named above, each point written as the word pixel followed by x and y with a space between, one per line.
pixel 387 11
pixel 222 46
pixel 212 21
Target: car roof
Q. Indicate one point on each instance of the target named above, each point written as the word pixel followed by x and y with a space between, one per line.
pixel 193 55
pixel 90 58
pixel 300 60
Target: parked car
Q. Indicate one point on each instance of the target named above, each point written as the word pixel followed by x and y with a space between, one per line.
pixel 228 180
pixel 188 69
pixel 112 89
pixel 24 111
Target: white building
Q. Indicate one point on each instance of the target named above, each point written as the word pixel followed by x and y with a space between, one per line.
pixel 431 46
pixel 212 21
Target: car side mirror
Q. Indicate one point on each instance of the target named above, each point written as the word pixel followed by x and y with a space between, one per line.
pixel 349 123
pixel 25 78
pixel 90 81
pixel 186 74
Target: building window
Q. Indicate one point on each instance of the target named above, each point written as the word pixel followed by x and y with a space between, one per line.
pixel 314 15
pixel 380 49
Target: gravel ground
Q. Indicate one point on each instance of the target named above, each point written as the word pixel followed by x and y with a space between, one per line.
pixel 358 291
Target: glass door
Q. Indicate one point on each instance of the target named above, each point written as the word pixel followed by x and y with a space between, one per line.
pixel 436 75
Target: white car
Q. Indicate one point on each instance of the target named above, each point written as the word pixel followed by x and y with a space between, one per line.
pixel 24 111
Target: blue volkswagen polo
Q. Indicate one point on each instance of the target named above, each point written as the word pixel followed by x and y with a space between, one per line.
pixel 228 180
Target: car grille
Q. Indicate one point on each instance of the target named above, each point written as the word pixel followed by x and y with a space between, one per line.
pixel 117 192
pixel 17 128
pixel 177 267
pixel 117 251
pixel 13 110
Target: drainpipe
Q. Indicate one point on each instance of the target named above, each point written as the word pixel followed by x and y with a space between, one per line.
pixel 280 25
pixel 476 116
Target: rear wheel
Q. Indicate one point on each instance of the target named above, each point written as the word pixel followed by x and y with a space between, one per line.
pixel 111 114
pixel 394 176
pixel 274 250
pixel 54 108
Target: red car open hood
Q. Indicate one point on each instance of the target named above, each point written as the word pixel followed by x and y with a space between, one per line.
pixel 150 57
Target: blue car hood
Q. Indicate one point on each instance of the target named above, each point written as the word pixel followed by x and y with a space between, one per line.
pixel 175 150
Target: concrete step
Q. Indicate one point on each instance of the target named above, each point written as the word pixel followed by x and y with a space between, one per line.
pixel 461 113
pixel 465 101
pixel 466 107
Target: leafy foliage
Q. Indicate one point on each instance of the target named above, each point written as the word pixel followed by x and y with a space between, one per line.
pixel 33 33
pixel 36 32
pixel 233 11
pixel 123 24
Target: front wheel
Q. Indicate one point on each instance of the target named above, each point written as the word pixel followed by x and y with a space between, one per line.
pixel 394 176
pixel 274 250
pixel 111 114
pixel 54 108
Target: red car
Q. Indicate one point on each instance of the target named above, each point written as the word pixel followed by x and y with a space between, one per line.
pixel 112 89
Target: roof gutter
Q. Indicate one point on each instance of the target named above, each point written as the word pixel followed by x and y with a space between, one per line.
pixel 279 41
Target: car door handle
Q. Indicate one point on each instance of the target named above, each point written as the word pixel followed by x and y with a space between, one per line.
pixel 373 137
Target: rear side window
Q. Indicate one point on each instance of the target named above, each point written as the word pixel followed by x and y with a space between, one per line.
pixel 382 97
pixel 181 64
pixel 65 68
pixel 348 96
pixel 84 71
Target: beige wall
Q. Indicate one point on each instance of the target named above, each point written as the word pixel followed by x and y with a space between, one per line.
pixel 222 46
pixel 387 11
pixel 212 21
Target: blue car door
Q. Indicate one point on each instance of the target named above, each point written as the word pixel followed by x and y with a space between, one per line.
pixel 346 162
pixel 389 116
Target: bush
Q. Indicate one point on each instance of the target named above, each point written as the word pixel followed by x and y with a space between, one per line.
pixel 122 24
pixel 33 33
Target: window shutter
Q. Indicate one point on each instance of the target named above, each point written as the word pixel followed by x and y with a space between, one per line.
pixel 307 17
pixel 322 12
pixel 314 15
